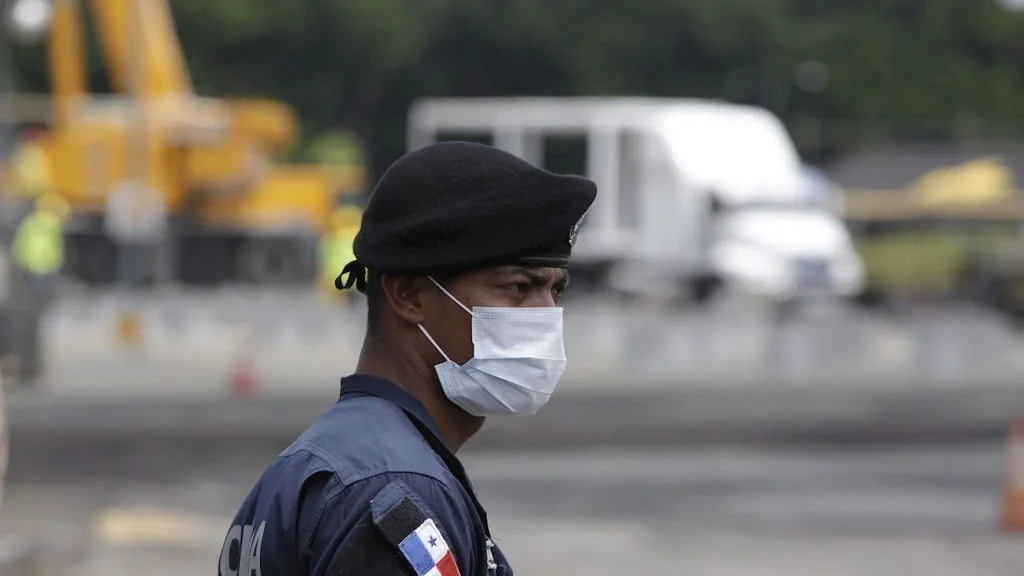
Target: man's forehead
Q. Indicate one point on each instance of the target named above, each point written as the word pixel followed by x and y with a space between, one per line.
pixel 545 273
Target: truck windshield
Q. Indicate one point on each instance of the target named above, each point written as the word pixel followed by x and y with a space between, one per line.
pixel 710 145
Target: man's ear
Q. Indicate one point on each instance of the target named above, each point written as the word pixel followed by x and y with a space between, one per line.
pixel 405 296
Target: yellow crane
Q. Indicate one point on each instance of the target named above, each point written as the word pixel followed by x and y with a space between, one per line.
pixel 234 214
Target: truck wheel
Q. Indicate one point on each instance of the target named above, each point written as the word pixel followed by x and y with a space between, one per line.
pixel 94 259
pixel 704 288
pixel 870 297
pixel 205 261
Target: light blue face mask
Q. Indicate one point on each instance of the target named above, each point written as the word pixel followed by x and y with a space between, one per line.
pixel 518 358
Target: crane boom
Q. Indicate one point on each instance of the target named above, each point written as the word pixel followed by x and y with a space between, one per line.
pixel 164 69
pixel 66 58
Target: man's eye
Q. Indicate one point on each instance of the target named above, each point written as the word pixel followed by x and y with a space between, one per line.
pixel 556 294
pixel 518 287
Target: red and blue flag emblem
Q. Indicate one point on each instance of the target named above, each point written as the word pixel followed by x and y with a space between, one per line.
pixel 428 552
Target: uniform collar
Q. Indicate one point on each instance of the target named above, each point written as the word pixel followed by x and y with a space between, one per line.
pixel 365 385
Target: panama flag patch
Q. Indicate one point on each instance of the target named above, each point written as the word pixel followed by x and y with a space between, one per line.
pixel 427 551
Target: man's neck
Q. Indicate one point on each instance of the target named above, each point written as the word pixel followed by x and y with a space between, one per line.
pixel 384 360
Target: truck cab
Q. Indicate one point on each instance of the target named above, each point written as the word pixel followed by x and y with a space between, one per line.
pixel 694 196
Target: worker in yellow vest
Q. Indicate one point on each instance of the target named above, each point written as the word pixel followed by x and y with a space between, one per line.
pixel 336 249
pixel 38 256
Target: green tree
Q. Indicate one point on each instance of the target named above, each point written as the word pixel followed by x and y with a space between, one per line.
pixel 358 64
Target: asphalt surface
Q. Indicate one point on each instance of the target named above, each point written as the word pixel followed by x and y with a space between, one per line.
pixel 715 510
pixel 753 414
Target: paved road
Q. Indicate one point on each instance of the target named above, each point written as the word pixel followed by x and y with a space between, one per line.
pixel 715 511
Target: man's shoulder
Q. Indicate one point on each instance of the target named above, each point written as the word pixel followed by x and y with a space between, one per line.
pixel 423 524
pixel 367 436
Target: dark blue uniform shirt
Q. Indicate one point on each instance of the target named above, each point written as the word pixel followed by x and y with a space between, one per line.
pixel 370 489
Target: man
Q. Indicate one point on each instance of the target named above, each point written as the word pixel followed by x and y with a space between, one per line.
pixel 466 248
pixel 336 249
pixel 137 218
pixel 38 254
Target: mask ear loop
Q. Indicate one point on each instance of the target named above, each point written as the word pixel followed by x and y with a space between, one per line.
pixel 433 342
pixel 424 330
pixel 449 295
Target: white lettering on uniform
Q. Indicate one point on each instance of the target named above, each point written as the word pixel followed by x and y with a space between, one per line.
pixel 250 547
pixel 234 535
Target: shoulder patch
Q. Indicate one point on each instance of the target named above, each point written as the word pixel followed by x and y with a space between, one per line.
pixel 428 552
pixel 408 527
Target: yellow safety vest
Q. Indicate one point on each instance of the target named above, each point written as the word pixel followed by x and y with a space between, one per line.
pixel 39 244
pixel 335 252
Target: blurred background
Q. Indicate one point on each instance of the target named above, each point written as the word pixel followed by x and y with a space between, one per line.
pixel 794 325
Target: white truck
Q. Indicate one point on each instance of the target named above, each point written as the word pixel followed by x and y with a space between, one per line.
pixel 693 194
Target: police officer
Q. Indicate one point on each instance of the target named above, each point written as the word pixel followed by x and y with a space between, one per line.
pixel 466 248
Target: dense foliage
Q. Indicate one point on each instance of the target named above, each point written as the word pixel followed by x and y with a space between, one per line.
pixel 924 65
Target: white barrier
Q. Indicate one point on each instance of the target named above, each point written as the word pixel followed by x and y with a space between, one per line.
pixel 192 341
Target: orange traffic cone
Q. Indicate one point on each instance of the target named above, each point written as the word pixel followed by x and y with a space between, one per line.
pixel 129 329
pixel 243 380
pixel 1013 497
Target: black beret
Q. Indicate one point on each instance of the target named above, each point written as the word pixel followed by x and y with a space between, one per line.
pixel 461 205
